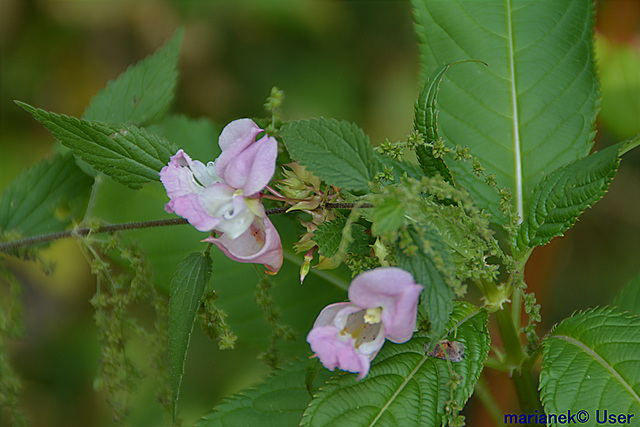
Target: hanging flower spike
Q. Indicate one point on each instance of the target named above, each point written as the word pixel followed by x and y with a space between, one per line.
pixel 384 305
pixel 222 196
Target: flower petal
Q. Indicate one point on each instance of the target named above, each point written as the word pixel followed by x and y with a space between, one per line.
pixel 336 350
pixel 189 207
pixel 395 291
pixel 178 179
pixel 259 244
pixel 245 163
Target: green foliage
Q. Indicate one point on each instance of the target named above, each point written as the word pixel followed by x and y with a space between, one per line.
pixel 45 198
pixel 628 299
pixel 398 168
pixel 428 261
pixel 128 154
pixel 279 401
pixel 143 93
pixel 533 108
pixel 188 285
pixel 338 152
pixel 405 386
pixel 590 361
pixel 330 234
pixel 124 284
pixel 564 194
pixel 198 137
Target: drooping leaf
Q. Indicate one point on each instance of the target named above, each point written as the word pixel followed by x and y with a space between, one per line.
pixel 561 197
pixel 128 154
pixel 590 362
pixel 405 386
pixel 188 285
pixel 628 299
pixel 143 93
pixel 338 152
pixel 45 198
pixel 533 108
pixel 425 121
pixel 279 401
pixel 436 300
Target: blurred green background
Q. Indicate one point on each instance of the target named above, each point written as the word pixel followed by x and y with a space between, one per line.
pixel 354 60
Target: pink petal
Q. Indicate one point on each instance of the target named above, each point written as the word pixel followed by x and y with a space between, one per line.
pixel 394 290
pixel 337 351
pixel 177 178
pixel 245 163
pixel 260 244
pixel 189 207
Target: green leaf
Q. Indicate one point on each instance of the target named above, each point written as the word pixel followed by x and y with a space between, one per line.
pixel 128 154
pixel 330 233
pixel 629 297
pixel 405 386
pixel 425 121
pixel 387 216
pixel 562 196
pixel 188 284
pixel 45 198
pixel 436 300
pixel 143 93
pixel 590 362
pixel 279 401
pixel 532 109
pixel 198 137
pixel 338 152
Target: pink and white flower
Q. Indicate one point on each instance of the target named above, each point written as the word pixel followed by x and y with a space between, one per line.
pixel 384 305
pixel 223 196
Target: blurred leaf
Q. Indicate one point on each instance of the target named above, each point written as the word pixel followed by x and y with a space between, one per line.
pixel 405 386
pixel 387 216
pixel 532 109
pixel 436 300
pixel 198 137
pixel 629 297
pixel 338 152
pixel 400 168
pixel 618 67
pixel 45 198
pixel 187 287
pixel 143 93
pixel 279 401
pixel 590 361
pixel 566 193
pixel 130 155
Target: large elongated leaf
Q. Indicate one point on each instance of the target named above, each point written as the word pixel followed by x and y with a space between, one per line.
pixel 533 108
pixel 128 154
pixel 141 94
pixel 279 401
pixel 187 287
pixel 338 152
pixel 405 386
pixel 45 198
pixel 568 191
pixel 590 362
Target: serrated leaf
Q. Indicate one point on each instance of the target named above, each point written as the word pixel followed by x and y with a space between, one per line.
pixel 279 401
pixel 628 299
pixel 128 154
pixel 436 300
pixel 338 152
pixel 45 198
pixel 188 284
pixel 560 198
pixel 405 386
pixel 532 109
pixel 590 362
pixel 143 93
pixel 330 233
pixel 425 121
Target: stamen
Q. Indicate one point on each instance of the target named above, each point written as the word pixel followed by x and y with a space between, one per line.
pixel 373 315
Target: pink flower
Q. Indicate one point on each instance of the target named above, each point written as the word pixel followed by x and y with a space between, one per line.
pixel 223 196
pixel 384 305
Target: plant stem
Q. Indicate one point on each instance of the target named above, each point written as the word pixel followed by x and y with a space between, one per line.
pixel 487 399
pixel 526 388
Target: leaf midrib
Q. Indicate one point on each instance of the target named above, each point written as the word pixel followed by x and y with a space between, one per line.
pixel 603 362
pixel 517 171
